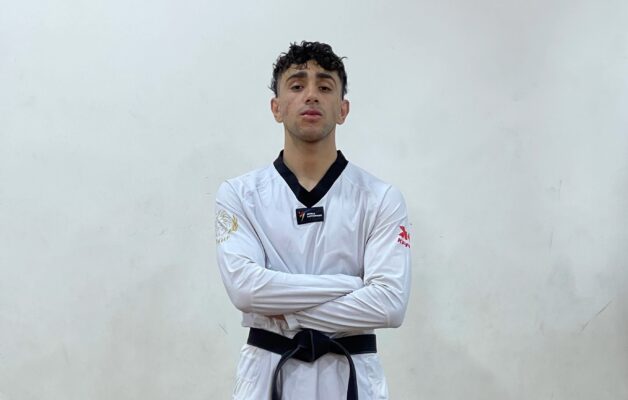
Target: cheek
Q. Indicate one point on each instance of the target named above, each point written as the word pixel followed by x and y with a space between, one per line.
pixel 287 108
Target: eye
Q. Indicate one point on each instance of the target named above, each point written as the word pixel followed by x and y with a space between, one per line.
pixel 325 89
pixel 296 87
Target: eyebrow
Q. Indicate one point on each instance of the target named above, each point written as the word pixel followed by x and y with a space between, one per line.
pixel 319 75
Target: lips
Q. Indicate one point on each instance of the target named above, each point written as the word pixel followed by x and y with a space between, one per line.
pixel 311 112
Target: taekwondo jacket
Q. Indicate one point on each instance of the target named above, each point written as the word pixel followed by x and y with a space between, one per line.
pixel 335 259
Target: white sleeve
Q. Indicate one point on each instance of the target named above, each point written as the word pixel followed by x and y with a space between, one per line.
pixel 383 300
pixel 253 288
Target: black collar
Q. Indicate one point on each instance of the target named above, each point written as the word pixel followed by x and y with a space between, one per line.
pixel 309 199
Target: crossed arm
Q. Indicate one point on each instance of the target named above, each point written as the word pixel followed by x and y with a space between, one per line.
pixel 329 303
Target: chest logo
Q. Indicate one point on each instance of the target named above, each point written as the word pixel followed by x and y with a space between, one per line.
pixel 308 215
pixel 225 225
pixel 404 237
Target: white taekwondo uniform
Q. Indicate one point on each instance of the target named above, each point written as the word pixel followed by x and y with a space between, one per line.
pixel 345 275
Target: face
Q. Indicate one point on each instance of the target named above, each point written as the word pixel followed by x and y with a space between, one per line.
pixel 309 102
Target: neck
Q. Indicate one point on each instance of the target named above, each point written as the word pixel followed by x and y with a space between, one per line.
pixel 309 161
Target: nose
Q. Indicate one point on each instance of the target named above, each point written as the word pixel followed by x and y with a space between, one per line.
pixel 311 95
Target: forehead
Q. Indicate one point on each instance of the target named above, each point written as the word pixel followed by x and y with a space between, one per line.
pixel 310 68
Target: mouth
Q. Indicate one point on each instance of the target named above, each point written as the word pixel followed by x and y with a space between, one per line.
pixel 311 113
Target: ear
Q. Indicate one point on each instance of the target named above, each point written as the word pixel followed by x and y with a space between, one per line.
pixel 344 111
pixel 274 108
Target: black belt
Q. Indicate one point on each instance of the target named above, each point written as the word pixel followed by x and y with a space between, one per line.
pixel 308 345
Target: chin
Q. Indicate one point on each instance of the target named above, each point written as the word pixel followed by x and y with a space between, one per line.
pixel 309 134
pixel 313 138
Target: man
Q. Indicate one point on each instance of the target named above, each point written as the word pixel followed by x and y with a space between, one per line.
pixel 312 249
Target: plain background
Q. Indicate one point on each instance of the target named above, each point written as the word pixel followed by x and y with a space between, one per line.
pixel 504 123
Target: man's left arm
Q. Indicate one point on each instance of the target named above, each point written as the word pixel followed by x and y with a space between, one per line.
pixel 383 300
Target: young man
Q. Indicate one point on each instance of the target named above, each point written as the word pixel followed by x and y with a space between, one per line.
pixel 312 249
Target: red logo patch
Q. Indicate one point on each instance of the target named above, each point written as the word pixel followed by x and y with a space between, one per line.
pixel 404 236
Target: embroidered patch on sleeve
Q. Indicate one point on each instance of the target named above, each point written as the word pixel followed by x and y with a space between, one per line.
pixel 404 236
pixel 225 225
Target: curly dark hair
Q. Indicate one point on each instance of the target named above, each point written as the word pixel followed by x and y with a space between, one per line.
pixel 306 51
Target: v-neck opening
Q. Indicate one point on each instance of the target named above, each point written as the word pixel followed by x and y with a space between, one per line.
pixel 310 198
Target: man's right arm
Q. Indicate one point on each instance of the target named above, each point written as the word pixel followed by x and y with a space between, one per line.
pixel 253 288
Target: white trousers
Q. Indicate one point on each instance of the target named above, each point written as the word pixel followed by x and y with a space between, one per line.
pixel 324 379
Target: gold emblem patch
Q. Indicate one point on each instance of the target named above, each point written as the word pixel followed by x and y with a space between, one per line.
pixel 225 225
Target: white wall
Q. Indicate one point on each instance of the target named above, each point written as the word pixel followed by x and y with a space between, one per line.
pixel 503 122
